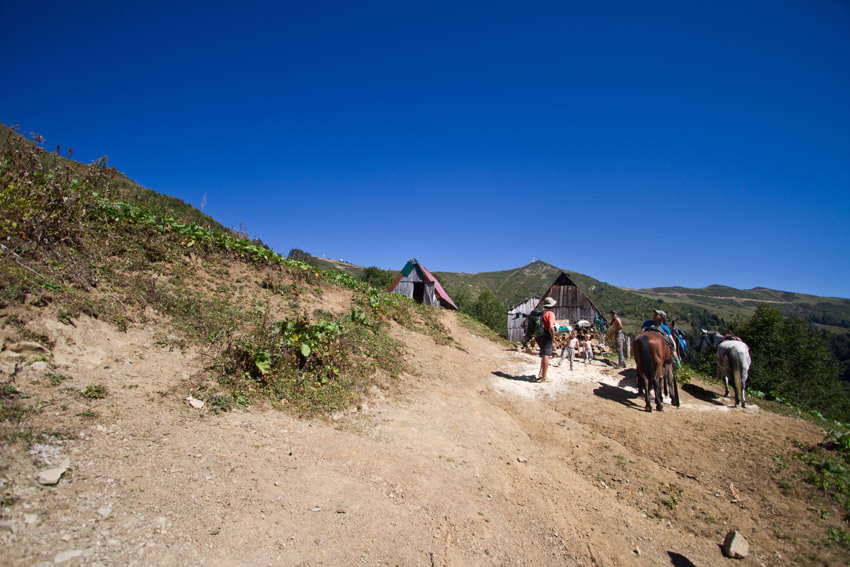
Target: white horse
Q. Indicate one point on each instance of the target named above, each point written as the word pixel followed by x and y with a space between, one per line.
pixel 733 360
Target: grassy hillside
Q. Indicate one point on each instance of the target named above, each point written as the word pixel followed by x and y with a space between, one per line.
pixel 71 243
pixel 121 186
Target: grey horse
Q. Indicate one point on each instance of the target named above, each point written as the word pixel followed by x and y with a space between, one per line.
pixel 733 360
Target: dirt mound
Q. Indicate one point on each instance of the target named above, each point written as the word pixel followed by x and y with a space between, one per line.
pixel 469 462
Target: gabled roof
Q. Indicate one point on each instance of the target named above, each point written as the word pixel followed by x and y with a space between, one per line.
pixel 413 264
pixel 565 280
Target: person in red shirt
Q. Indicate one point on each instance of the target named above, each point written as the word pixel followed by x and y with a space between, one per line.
pixel 547 340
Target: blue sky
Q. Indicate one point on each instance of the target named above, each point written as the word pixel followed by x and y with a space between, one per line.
pixel 641 143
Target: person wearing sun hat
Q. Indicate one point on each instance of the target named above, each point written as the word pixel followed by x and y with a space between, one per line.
pixel 547 340
pixel 657 324
pixel 657 321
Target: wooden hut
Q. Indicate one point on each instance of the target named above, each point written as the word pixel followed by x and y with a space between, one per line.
pixel 572 306
pixel 572 303
pixel 416 282
pixel 517 316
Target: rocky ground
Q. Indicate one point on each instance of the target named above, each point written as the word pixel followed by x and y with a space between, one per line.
pixel 466 461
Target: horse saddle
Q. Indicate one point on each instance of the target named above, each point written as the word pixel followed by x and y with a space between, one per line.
pixel 667 338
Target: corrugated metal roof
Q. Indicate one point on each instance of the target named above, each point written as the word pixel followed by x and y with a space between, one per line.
pixel 441 293
pixel 412 264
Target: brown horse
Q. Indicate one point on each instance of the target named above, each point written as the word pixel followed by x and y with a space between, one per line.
pixel 654 362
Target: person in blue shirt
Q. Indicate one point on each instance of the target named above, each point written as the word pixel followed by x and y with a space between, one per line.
pixel 657 322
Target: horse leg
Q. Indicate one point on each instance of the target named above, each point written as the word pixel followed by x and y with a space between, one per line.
pixel 674 388
pixel 676 391
pixel 658 380
pixel 736 385
pixel 744 373
pixel 720 373
pixel 643 388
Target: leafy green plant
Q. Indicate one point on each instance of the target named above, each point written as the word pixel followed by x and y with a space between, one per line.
pixel 95 391
pixel 55 378
pixel 312 366
pixel 8 391
pixel 839 536
pixel 219 403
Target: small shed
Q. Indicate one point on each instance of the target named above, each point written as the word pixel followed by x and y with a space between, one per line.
pixel 517 316
pixel 416 282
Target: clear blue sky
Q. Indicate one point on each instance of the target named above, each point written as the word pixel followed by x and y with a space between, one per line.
pixel 640 143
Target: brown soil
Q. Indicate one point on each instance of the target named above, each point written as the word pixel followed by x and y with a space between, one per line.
pixel 465 462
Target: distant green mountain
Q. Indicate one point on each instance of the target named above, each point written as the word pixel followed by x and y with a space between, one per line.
pixel 829 313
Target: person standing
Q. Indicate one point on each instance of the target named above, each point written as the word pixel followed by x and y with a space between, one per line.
pixel 546 341
pixel 570 349
pixel 587 347
pixel 616 335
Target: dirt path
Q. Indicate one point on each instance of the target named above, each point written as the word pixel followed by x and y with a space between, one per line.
pixel 468 463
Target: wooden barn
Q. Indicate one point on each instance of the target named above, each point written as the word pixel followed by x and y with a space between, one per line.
pixel 572 305
pixel 517 316
pixel 416 282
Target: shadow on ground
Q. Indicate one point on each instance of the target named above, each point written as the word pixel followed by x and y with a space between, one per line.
pixel 702 394
pixel 679 560
pixel 522 378
pixel 617 394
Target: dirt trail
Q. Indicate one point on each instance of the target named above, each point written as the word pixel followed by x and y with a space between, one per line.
pixel 468 463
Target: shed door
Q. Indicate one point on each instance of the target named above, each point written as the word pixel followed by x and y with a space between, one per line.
pixel 418 292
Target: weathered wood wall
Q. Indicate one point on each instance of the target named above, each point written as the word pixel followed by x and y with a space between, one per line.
pixel 517 316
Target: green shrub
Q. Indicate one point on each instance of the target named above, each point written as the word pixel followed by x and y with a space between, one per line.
pixel 95 391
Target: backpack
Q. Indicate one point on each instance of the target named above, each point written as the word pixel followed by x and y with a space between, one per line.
pixel 534 324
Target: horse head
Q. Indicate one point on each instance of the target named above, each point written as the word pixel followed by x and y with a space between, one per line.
pixel 704 341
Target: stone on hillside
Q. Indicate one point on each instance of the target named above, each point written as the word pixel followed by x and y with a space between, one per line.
pixel 27 348
pixel 8 526
pixel 195 403
pixel 65 556
pixel 735 545
pixel 51 477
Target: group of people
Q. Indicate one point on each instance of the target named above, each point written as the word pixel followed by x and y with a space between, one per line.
pixel 581 345
pixel 576 345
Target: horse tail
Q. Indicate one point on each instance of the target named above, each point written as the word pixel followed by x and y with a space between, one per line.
pixel 643 355
pixel 736 361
